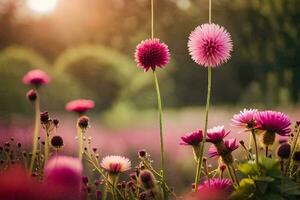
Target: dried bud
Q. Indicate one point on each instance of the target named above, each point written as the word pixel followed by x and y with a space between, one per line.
pixel 85 179
pixel 57 141
pixel 147 179
pixel 31 95
pixel 142 153
pixel 284 151
pixel 296 156
pixel 222 167
pixel 83 122
pixel 44 117
pixel 55 122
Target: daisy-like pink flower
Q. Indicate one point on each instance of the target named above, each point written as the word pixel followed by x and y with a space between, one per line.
pixel 273 122
pixel 245 119
pixel 210 45
pixel 36 77
pixel 216 134
pixel 194 138
pixel 152 53
pixel 80 105
pixel 216 184
pixel 229 146
pixel 116 164
pixel 63 170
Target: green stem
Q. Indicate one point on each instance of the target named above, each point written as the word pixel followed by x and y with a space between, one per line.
pixel 47 145
pixel 199 162
pixel 80 132
pixel 160 132
pixel 288 166
pixel 35 133
pixel 255 146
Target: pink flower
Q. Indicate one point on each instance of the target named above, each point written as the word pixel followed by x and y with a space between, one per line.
pixel 63 170
pixel 210 45
pixel 230 145
pixel 193 138
pixel 273 122
pixel 216 134
pixel 245 119
pixel 152 53
pixel 80 105
pixel 36 77
pixel 116 164
pixel 216 184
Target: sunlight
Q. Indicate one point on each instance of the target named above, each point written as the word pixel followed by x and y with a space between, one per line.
pixel 42 6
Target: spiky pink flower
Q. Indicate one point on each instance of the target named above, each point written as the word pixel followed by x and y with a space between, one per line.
pixel 80 105
pixel 193 138
pixel 245 119
pixel 217 184
pixel 116 164
pixel 152 53
pixel 36 77
pixel 273 122
pixel 63 170
pixel 230 145
pixel 210 45
pixel 216 134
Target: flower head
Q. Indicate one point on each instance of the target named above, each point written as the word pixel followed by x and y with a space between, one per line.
pixel 216 184
pixel 193 138
pixel 216 134
pixel 229 146
pixel 63 170
pixel 36 77
pixel 80 105
pixel 273 122
pixel 245 119
pixel 210 45
pixel 116 164
pixel 152 53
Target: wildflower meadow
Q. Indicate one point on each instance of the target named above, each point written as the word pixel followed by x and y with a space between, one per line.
pixel 147 106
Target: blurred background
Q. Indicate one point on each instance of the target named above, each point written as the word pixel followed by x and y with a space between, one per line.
pixel 87 47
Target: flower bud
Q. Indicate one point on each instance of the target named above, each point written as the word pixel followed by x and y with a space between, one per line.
pixel 83 122
pixel 44 117
pixel 142 153
pixel 147 179
pixel 57 142
pixel 284 151
pixel 296 156
pixel 31 95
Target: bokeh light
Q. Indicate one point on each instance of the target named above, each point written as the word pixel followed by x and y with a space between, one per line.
pixel 42 6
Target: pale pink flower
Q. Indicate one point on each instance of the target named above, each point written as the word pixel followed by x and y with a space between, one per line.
pixel 210 45
pixel 230 145
pixel 116 164
pixel 216 134
pixel 80 105
pixel 245 119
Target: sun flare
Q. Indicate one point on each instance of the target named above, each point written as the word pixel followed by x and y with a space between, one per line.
pixel 42 6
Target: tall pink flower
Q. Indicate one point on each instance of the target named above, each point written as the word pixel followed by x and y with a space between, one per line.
pixel 152 53
pixel 210 45
pixel 245 119
pixel 216 134
pixel 273 122
pixel 216 184
pixel 36 77
pixel 80 105
pixel 116 164
pixel 193 138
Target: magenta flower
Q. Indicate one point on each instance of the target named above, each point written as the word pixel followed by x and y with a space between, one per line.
pixel 245 119
pixel 210 45
pixel 80 105
pixel 273 122
pixel 36 77
pixel 116 164
pixel 229 146
pixel 194 138
pixel 217 184
pixel 152 53
pixel 216 134
pixel 63 170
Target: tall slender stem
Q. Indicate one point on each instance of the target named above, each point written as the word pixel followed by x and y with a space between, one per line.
pixel 152 19
pixel 47 145
pixel 80 133
pixel 199 162
pixel 295 142
pixel 160 131
pixel 255 146
pixel 209 11
pixel 35 133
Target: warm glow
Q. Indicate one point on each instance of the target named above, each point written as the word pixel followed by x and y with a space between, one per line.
pixel 42 6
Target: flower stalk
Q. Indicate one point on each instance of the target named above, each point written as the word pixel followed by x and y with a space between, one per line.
pixel 35 133
pixel 255 146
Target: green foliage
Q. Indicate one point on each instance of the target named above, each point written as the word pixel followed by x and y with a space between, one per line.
pixel 265 182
